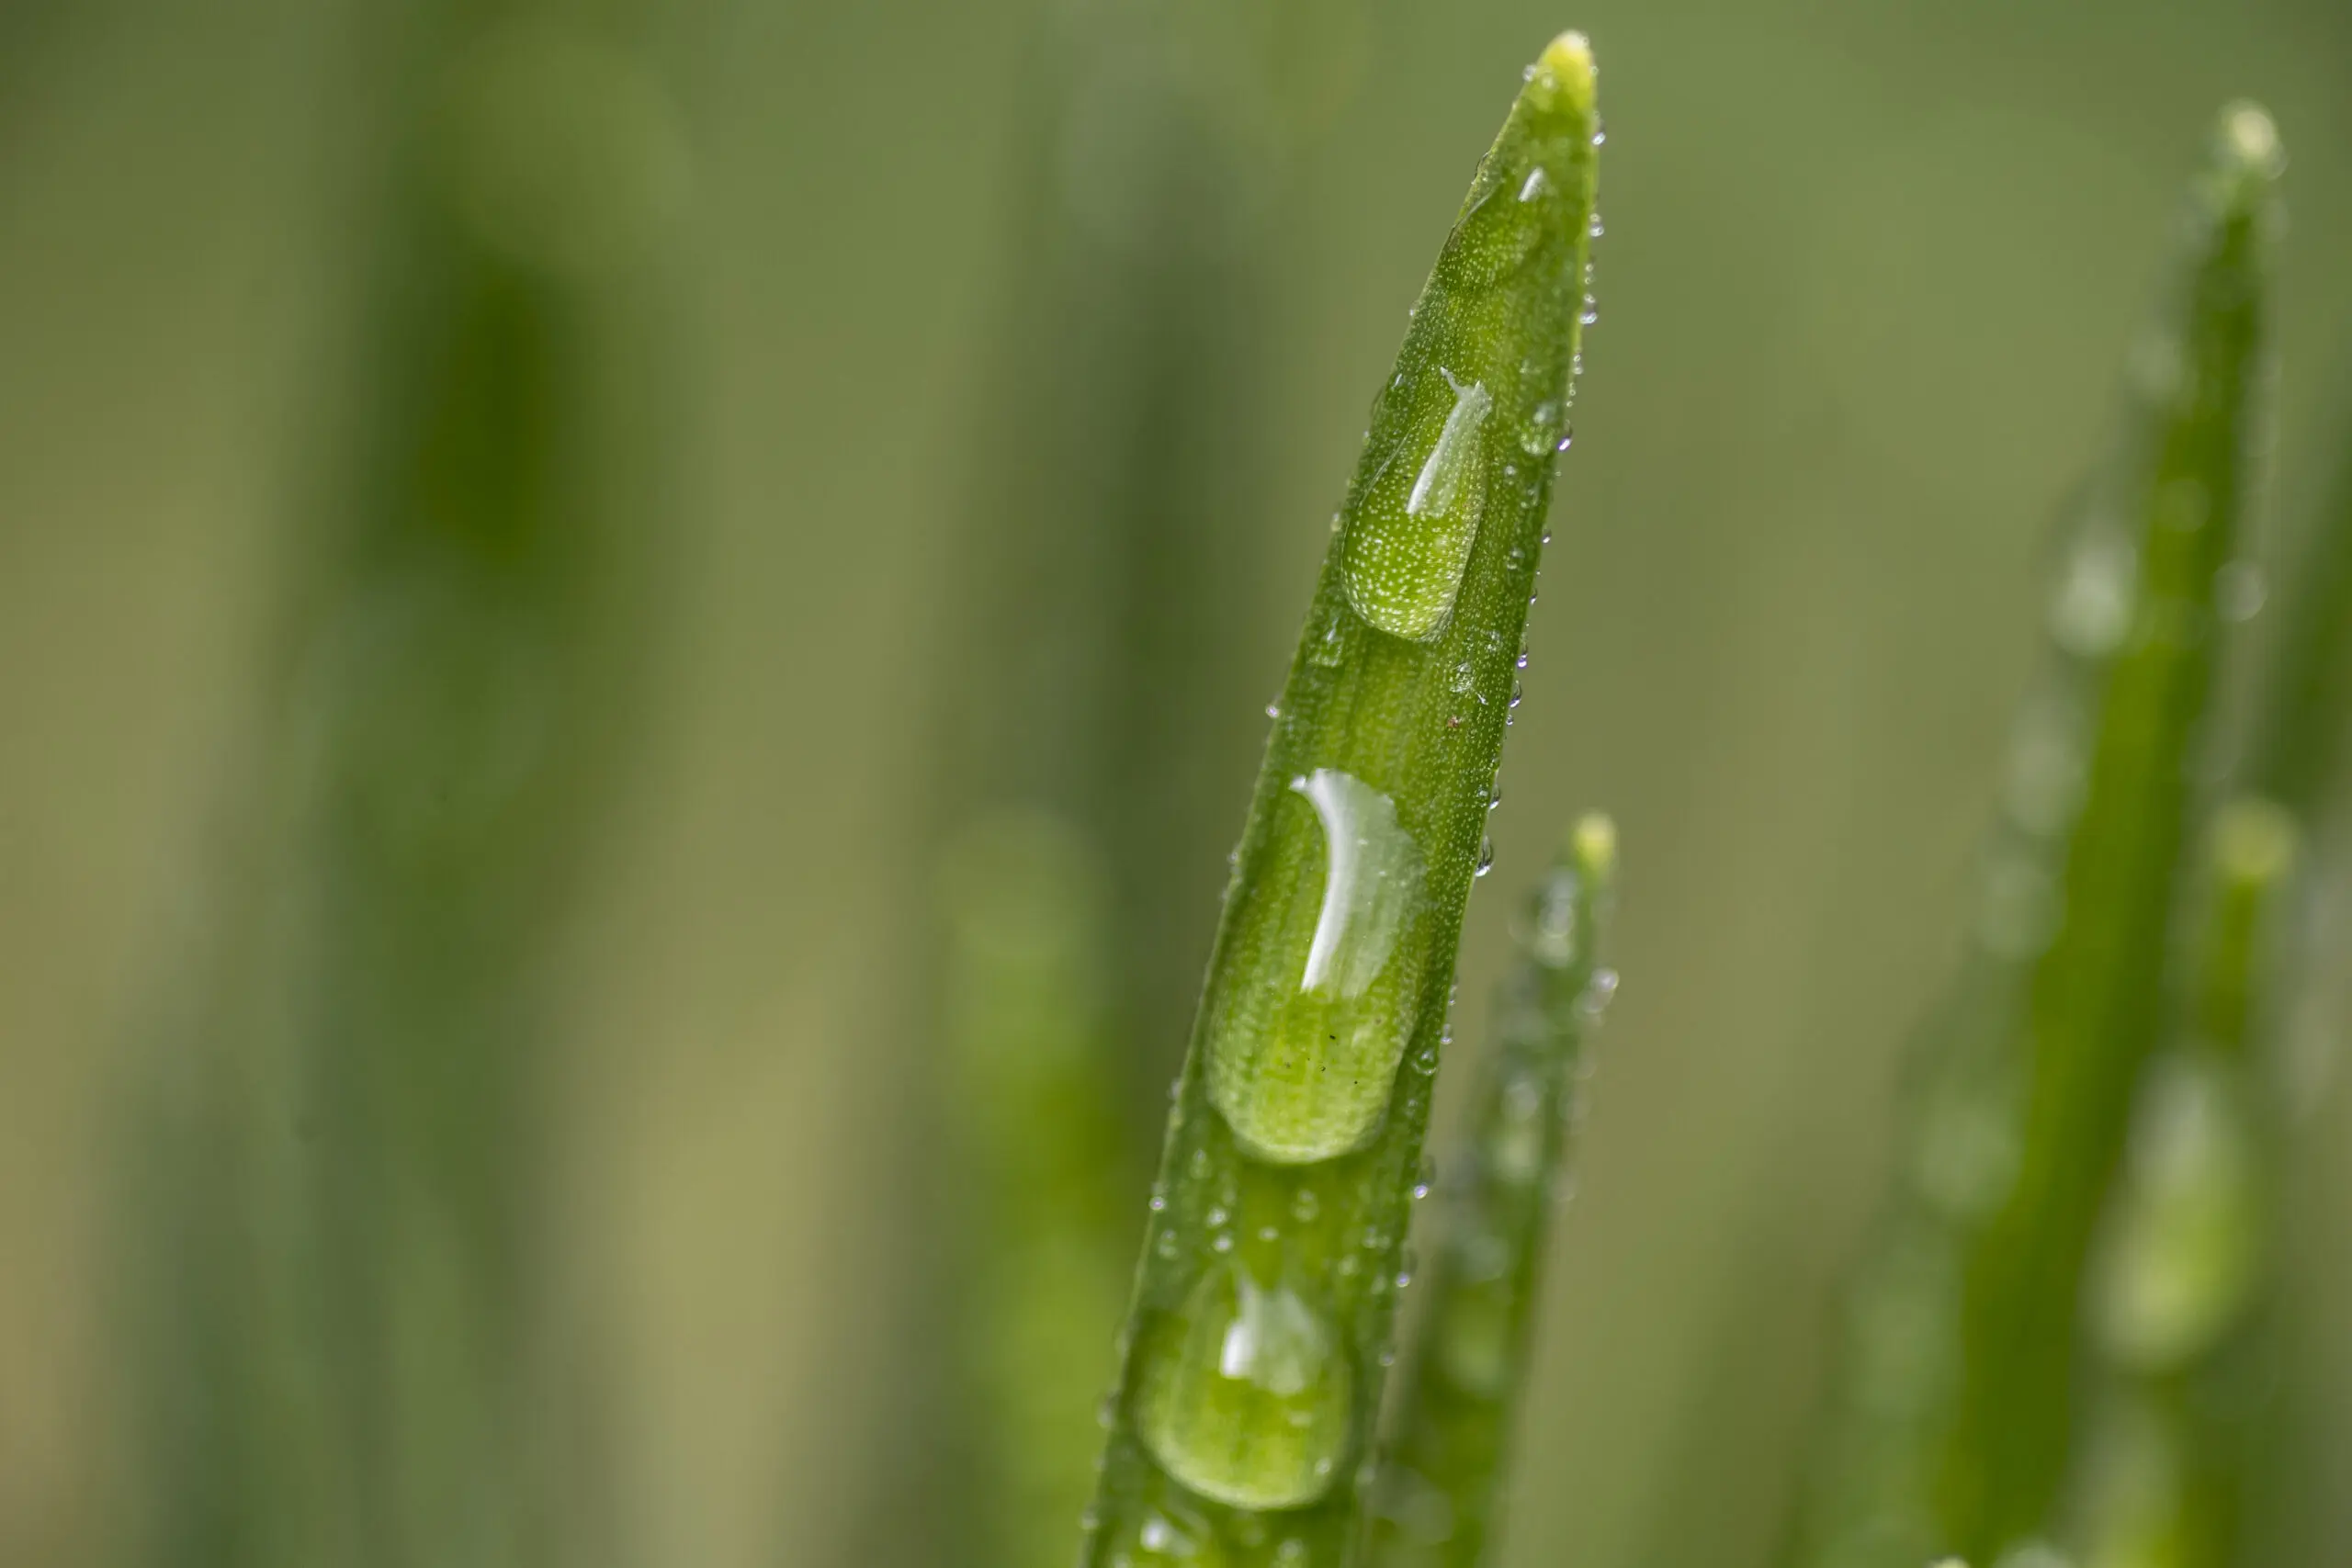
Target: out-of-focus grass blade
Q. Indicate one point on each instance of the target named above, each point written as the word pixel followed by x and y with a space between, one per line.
pixel 2296 756
pixel 2169 1465
pixel 1118 527
pixel 1039 1236
pixel 1953 1421
pixel 1254 1348
pixel 2303 712
pixel 1442 1473
pixel 350 1341
pixel 2095 1005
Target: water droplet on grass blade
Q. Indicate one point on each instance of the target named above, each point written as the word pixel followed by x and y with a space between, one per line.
pixel 1246 1393
pixel 1410 540
pixel 1304 1040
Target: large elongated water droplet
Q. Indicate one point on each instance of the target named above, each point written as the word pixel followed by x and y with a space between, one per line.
pixel 1306 1032
pixel 1245 1396
pixel 1410 540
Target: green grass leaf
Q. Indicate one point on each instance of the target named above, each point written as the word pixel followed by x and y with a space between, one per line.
pixel 2095 1005
pixel 349 1357
pixel 1252 1361
pixel 1444 1466
pixel 2171 1458
pixel 1954 1421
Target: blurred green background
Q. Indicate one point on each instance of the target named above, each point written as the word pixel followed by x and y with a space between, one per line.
pixel 1869 277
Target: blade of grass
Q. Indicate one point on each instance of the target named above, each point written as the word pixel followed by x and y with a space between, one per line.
pixel 1953 1419
pixel 357 1367
pixel 2092 1012
pixel 1099 696
pixel 2304 709
pixel 1252 1354
pixel 1041 1236
pixel 2178 1293
pixel 1459 1394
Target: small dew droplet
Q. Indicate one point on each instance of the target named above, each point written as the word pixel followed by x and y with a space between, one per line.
pixel 1485 858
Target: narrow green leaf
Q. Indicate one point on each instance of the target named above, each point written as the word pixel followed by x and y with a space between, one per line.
pixel 1253 1357
pixel 354 1348
pixel 1040 1235
pixel 1098 682
pixel 2178 1293
pixel 2303 712
pixel 1953 1421
pixel 2095 1006
pixel 1442 1477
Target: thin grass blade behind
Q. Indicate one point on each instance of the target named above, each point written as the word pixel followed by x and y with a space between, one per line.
pixel 1443 1470
pixel 1953 1423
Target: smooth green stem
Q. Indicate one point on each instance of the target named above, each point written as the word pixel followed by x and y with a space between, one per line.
pixel 1253 1360
pixel 1950 1425
pixel 2170 1462
pixel 1443 1474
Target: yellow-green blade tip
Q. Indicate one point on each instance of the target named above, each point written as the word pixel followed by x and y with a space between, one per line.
pixel 1593 843
pixel 2249 140
pixel 1562 79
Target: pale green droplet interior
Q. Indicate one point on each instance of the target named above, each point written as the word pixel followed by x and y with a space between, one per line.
pixel 1409 541
pixel 1304 1047
pixel 2182 1262
pixel 1245 1398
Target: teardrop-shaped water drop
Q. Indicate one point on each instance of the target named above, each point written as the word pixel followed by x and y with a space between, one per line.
pixel 1410 540
pixel 1485 858
pixel 1245 1394
pixel 1303 1046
